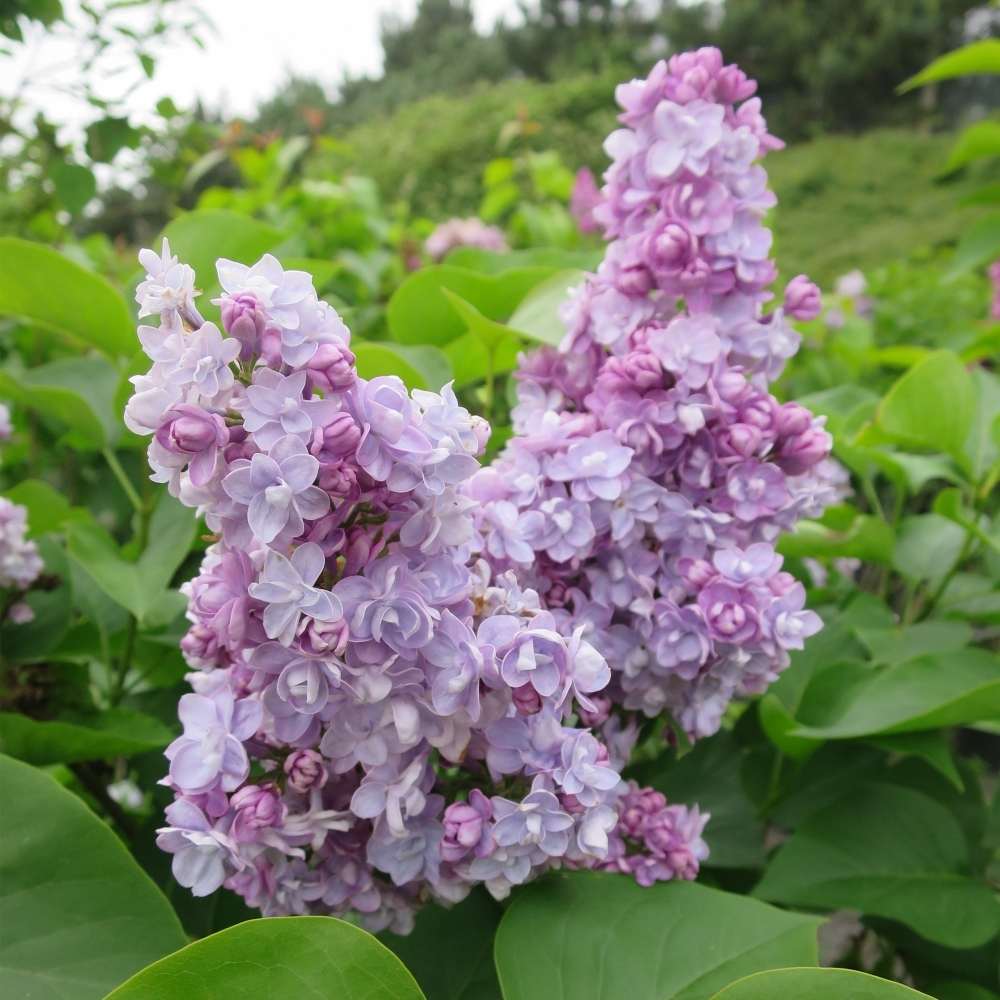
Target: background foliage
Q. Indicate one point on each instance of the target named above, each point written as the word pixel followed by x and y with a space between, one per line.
pixel 858 796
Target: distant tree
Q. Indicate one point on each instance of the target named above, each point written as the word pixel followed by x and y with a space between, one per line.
pixel 824 64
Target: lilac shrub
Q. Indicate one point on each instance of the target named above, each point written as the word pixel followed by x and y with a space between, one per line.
pixel 375 718
pixel 470 232
pixel 651 471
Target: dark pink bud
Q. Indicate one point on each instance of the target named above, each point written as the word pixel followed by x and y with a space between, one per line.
pixel 338 439
pixel 739 441
pixel 257 807
pixel 244 320
pixel 306 770
pixel 188 430
pixel 802 298
pixel 671 248
pixel 793 419
pixel 332 368
pixel 598 715
pixel 802 452
pixel 634 280
pixel 526 700
pixel 463 826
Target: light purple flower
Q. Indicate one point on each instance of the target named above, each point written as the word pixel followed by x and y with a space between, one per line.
pixel 537 821
pixel 688 347
pixel 277 489
pixel 286 587
pixel 388 604
pixel 275 407
pixel 560 527
pixel 592 466
pixel 203 852
pixel 398 795
pixel 210 752
pixel 584 772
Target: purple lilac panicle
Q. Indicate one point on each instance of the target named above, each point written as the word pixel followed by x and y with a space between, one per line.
pixel 659 469
pixel 350 653
pixel 383 632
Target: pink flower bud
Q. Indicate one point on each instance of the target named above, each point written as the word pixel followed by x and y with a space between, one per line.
pixel 332 368
pixel 306 770
pixel 526 700
pixel 802 298
pixel 243 319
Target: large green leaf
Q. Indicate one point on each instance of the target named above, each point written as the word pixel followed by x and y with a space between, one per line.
pixel 419 366
pixel 77 914
pixel 537 316
pixel 139 586
pixel 977 58
pixel 975 142
pixel 117 732
pixel 306 958
pixel 941 689
pixel 932 406
pixel 420 313
pixel 927 547
pixel 44 287
pixel 74 394
pixel 891 852
pixel 48 509
pixel 817 984
pixel 978 245
pixel 450 951
pixel 591 936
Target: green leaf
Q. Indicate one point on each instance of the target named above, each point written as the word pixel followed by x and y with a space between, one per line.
pixel 420 367
pixel 953 989
pixel 108 136
pixel 975 142
pixel 199 238
pixel 470 360
pixel 927 547
pixel 72 392
pixel 817 984
pixel 889 852
pixel 977 246
pixel 906 642
pixel 319 958
pixel 932 747
pixel 944 689
pixel 118 732
pixel 603 937
pixel 420 313
pixel 75 185
pixel 489 262
pixel 32 641
pixel 862 536
pixel 140 586
pixel 42 286
pixel 77 914
pixel 709 777
pixel 537 317
pixel 932 406
pixel 48 509
pixel 450 951
pixel 977 58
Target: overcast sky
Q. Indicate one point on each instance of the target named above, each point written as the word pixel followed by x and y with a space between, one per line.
pixel 253 46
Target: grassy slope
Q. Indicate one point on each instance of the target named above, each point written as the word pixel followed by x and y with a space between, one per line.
pixel 859 201
pixel 844 201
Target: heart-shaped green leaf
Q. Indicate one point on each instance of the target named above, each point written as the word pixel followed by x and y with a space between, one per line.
pixel 77 914
pixel 312 958
pixel 603 937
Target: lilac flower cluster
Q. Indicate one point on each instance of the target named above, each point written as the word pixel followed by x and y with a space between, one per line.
pixel 651 470
pixel 20 563
pixel 374 719
pixel 470 232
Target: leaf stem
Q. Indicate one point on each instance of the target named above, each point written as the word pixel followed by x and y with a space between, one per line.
pixel 123 480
